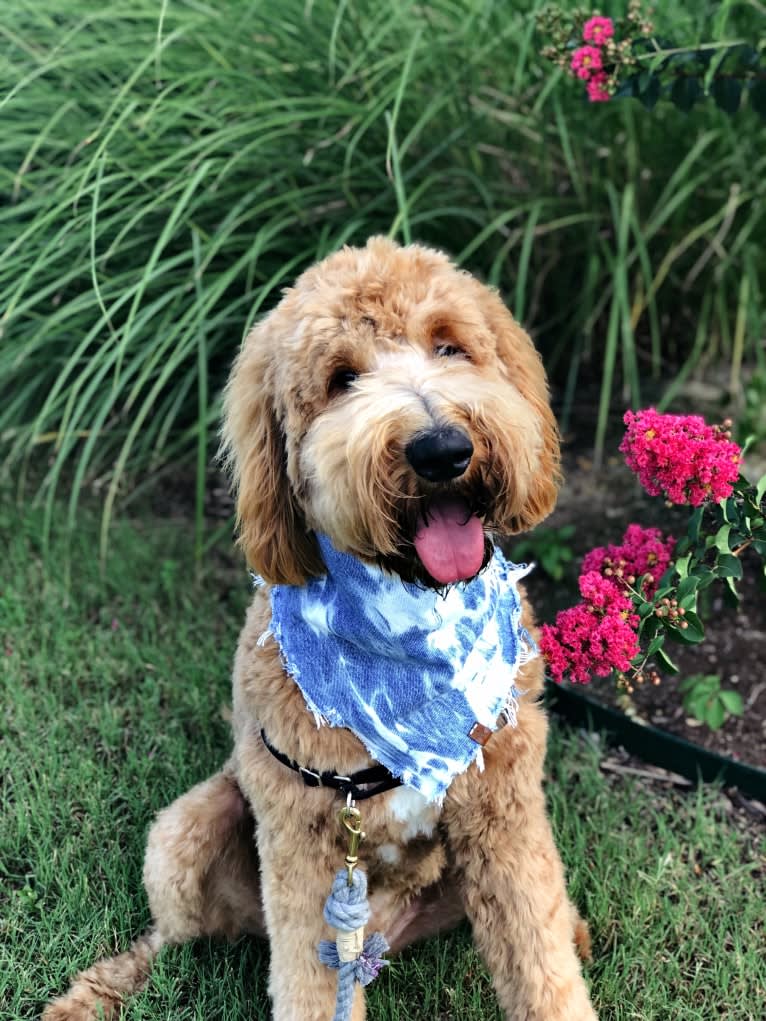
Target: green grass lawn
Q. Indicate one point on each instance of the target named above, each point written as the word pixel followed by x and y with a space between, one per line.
pixel 113 698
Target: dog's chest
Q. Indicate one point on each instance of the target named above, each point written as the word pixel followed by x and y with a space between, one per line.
pixel 408 817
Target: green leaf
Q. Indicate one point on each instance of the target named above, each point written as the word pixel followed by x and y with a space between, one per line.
pixel 732 702
pixel 695 520
pixel 758 97
pixel 727 93
pixel 651 93
pixel 628 89
pixel 697 704
pixel 685 92
pixel 705 575
pixel 704 56
pixel 682 566
pixel 694 631
pixel 656 643
pixel 721 538
pixel 730 510
pixel 715 714
pixel 705 683
pixel 744 55
pixel 728 566
pixel 683 545
pixel 760 486
pixel 666 661
pixel 645 609
pixel 649 627
pixel 687 587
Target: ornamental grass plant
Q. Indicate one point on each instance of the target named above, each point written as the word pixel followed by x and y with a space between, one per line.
pixel 167 167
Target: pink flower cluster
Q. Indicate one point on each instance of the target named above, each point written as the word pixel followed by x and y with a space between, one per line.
pixel 598 29
pixel 596 636
pixel 587 61
pixel 599 634
pixel 680 456
pixel 642 552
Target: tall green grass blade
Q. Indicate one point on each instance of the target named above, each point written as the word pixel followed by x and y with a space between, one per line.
pixel 202 409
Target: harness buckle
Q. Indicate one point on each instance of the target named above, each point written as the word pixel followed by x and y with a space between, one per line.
pixel 310 778
pixel 344 784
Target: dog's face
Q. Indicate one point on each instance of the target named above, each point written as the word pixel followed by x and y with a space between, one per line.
pixel 391 402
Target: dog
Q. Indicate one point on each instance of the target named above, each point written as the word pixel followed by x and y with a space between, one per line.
pixel 384 425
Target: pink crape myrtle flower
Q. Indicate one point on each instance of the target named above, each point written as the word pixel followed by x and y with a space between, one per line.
pixel 582 643
pixel 680 456
pixel 597 29
pixel 601 593
pixel 586 61
pixel 643 552
pixel 596 636
pixel 596 88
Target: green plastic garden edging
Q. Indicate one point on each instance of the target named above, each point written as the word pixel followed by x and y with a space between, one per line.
pixel 653 745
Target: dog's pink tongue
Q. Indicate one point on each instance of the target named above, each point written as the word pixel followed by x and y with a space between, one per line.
pixel 450 542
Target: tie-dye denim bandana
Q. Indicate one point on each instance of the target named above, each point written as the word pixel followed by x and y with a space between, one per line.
pixel 408 670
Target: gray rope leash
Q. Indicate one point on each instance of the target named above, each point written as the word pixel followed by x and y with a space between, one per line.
pixel 347 911
pixel 356 959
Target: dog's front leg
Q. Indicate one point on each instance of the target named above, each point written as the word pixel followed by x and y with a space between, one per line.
pixel 513 880
pixel 296 882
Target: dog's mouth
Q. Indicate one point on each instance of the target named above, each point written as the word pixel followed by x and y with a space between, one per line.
pixel 443 537
pixel 449 540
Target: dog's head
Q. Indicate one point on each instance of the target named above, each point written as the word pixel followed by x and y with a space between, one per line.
pixel 390 401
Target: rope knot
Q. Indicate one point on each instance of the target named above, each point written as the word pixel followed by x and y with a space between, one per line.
pixel 348 911
pixel 346 908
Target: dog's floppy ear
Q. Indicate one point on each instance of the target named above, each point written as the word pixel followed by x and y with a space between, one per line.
pixel 272 531
pixel 525 368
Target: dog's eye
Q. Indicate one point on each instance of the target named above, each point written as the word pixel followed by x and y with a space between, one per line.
pixel 340 381
pixel 448 351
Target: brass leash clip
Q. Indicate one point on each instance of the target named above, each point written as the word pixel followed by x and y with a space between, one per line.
pixel 351 820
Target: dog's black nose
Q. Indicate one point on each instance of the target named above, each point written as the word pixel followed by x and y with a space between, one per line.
pixel 440 454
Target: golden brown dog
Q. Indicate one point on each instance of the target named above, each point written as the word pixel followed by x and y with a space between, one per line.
pixel 372 350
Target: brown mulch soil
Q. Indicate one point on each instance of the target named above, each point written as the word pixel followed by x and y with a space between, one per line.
pixel 601 504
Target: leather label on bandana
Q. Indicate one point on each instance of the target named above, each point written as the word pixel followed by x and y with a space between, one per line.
pixel 480 734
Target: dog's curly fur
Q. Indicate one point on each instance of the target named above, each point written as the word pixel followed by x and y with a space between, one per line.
pixel 370 347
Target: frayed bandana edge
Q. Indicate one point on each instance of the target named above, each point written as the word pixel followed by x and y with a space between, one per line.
pixel 408 670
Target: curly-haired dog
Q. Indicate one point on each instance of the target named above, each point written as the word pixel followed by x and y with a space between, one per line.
pixel 384 424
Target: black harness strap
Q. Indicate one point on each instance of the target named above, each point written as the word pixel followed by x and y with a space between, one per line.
pixel 381 777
